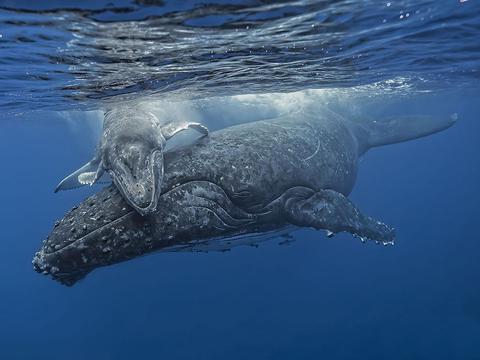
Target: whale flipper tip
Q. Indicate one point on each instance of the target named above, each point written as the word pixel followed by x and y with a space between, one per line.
pixel 328 209
pixel 88 174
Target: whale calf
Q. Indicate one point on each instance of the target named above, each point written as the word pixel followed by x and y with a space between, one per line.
pixel 131 150
pixel 292 171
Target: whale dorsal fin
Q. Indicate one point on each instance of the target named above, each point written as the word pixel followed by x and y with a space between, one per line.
pixel 88 174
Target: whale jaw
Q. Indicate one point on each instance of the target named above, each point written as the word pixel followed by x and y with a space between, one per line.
pixel 102 230
pixel 43 266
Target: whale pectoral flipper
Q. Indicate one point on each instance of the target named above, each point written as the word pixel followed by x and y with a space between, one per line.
pixel 180 135
pixel 332 211
pixel 171 129
pixel 199 127
pixel 88 174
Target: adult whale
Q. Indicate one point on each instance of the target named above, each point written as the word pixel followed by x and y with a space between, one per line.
pixel 253 178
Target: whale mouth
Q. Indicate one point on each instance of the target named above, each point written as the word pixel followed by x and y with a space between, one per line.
pixel 140 184
pixel 43 266
pixel 107 243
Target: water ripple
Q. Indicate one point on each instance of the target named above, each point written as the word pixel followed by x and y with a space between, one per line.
pixel 58 56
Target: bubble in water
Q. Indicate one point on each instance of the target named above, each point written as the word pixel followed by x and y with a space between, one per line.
pixel 330 234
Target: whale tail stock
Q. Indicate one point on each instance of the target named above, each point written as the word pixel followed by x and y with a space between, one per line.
pixel 395 130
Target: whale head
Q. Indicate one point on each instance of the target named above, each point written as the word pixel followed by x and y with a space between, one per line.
pixel 137 171
pixel 102 230
pixel 133 150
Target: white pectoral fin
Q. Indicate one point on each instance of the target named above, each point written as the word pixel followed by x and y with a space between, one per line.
pixel 183 135
pixel 172 128
pixel 88 174
pixel 203 130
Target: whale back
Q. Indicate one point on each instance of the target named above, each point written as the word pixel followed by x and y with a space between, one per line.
pixel 256 162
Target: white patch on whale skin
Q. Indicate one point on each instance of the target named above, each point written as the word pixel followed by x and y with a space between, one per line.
pixel 87 178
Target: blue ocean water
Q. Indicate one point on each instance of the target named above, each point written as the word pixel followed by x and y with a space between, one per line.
pixel 222 63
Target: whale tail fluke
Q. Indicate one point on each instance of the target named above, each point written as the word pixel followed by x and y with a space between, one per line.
pixel 399 129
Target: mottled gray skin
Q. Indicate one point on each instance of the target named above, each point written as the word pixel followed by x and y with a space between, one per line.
pixel 131 151
pixel 245 179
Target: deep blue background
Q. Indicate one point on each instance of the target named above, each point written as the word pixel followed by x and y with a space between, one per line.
pixel 316 298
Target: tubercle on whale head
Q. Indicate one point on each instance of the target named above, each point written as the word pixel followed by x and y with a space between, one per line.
pixel 100 231
pixel 104 229
pixel 41 265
